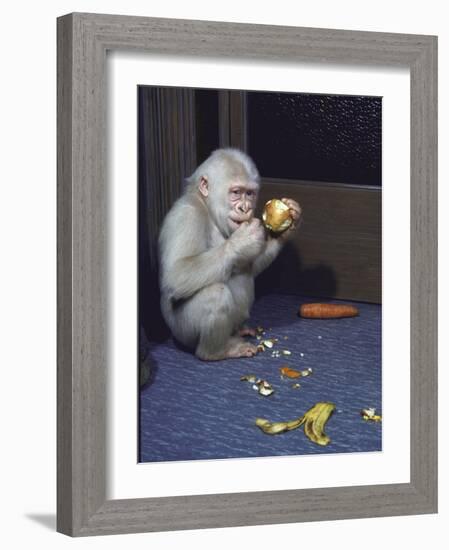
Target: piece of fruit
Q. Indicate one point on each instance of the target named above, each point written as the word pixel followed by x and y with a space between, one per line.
pixel 314 421
pixel 276 216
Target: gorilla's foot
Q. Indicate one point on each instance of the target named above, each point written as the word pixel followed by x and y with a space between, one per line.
pixel 241 348
pixel 236 347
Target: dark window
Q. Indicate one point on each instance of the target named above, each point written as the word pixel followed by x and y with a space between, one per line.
pixel 329 138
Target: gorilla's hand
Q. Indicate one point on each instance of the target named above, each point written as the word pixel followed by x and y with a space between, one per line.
pixel 248 240
pixel 296 215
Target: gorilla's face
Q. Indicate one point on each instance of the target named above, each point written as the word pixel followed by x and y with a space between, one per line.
pixel 241 203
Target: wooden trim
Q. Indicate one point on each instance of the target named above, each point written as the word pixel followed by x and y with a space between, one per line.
pixel 232 114
pixel 238 115
pixel 224 119
pixel 337 252
pixel 83 40
pixel 82 275
pixel 342 185
pixel 423 273
pixel 65 494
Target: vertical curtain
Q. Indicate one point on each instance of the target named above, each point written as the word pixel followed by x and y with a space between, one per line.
pixel 167 155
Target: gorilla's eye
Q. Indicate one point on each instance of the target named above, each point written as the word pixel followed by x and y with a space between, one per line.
pixel 235 194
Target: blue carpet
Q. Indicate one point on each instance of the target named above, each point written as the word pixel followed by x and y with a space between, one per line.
pixel 201 410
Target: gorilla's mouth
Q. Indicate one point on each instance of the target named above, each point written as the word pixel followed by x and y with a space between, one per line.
pixel 239 221
pixel 235 223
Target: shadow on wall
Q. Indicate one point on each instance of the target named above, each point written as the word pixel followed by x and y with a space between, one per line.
pixel 45 520
pixel 152 327
pixel 150 316
pixel 286 275
pixel 147 365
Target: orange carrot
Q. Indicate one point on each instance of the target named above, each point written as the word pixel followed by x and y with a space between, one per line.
pixel 327 311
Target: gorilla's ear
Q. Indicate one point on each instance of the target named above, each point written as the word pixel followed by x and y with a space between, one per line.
pixel 204 186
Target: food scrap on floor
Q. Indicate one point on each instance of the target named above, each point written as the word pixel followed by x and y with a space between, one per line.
pixel 199 410
pixel 370 415
pixel 262 386
pixel 314 421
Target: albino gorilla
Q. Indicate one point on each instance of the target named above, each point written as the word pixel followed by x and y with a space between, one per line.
pixel 211 248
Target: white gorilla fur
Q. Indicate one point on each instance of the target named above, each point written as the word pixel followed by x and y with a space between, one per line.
pixel 211 247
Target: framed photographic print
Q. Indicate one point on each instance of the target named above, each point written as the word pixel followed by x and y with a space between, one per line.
pixel 214 368
pixel 305 139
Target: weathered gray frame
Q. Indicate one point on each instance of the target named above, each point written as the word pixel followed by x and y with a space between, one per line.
pixel 83 40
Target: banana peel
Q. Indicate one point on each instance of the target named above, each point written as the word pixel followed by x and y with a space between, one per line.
pixel 273 428
pixel 313 420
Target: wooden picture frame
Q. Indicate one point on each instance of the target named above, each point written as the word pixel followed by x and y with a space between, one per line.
pixel 83 40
